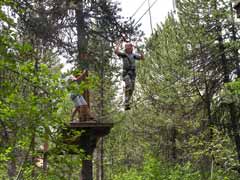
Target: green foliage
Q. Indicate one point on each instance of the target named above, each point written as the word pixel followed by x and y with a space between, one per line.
pixel 181 110
pixel 34 100
pixel 32 97
pixel 231 93
pixel 181 125
pixel 154 169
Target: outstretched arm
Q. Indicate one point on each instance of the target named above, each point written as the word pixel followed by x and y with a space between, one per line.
pixel 117 51
pixel 139 56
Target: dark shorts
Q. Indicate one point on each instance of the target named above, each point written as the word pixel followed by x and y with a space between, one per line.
pixel 130 72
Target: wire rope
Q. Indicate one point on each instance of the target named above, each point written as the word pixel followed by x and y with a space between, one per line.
pixel 145 13
pixel 138 9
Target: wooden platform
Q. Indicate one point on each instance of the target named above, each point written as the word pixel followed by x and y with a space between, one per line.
pixel 89 133
pixel 83 136
pixel 91 124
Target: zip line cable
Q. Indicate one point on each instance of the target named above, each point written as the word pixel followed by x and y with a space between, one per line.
pixel 174 6
pixel 138 9
pixel 148 10
pixel 150 16
pixel 145 12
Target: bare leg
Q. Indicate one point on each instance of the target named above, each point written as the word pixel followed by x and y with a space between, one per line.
pixel 85 113
pixel 77 109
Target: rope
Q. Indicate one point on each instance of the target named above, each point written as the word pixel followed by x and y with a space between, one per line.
pixel 145 12
pixel 138 9
pixel 174 6
pixel 150 16
pixel 148 10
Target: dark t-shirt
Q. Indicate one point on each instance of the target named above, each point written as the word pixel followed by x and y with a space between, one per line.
pixel 129 60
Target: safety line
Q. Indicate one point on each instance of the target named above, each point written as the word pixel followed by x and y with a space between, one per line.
pixel 145 12
pixel 138 9
pixel 150 16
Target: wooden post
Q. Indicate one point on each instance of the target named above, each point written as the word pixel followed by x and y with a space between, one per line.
pixel 87 141
pixel 45 162
pixel 86 173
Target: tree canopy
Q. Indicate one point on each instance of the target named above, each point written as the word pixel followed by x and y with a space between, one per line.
pixel 184 121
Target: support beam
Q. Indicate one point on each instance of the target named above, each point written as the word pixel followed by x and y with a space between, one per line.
pixel 87 141
pixel 87 170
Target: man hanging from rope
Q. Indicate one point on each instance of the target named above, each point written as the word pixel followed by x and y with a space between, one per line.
pixel 129 70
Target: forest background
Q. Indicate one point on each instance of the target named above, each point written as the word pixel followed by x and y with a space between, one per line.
pixel 184 121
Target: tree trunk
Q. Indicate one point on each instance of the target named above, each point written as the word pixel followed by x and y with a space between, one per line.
pixel 86 173
pixel 82 43
pixel 99 174
pixel 82 38
pixel 232 106
pixel 234 39
pixel 173 143
pixel 100 150
pixel 235 127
